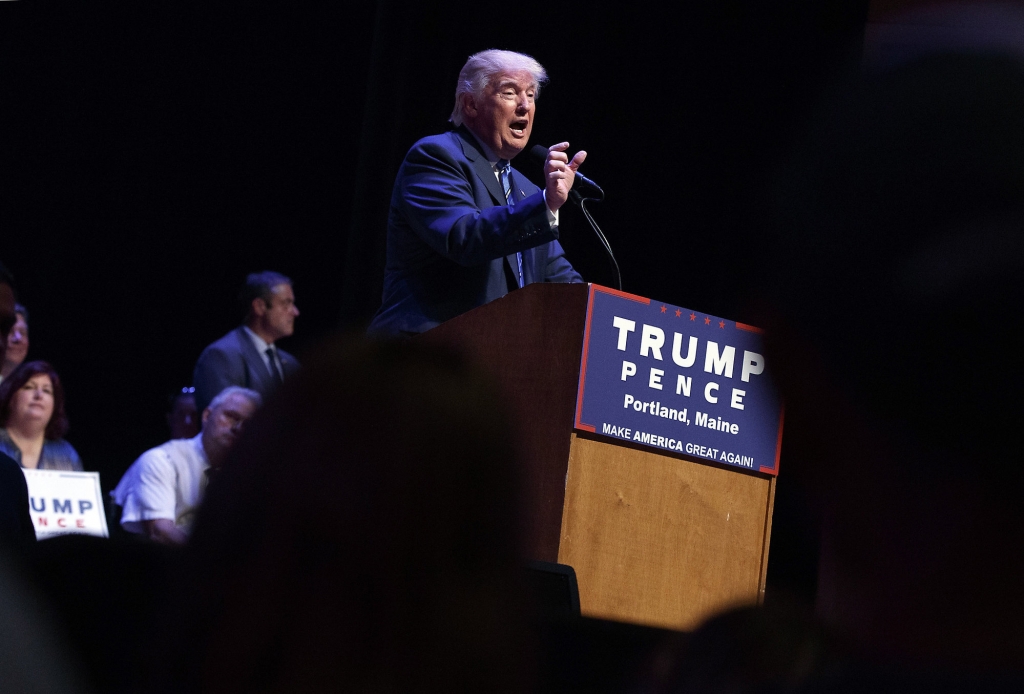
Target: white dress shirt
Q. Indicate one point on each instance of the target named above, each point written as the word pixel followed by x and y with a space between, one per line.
pixel 166 482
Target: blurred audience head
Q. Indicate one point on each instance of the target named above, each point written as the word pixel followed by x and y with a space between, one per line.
pixel 898 265
pixel 7 315
pixel 363 535
pixel 269 305
pixel 224 420
pixel 901 31
pixel 904 234
pixel 182 418
pixel 17 342
pixel 740 651
pixel 33 396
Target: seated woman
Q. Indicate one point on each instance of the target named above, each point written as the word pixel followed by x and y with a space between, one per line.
pixel 33 420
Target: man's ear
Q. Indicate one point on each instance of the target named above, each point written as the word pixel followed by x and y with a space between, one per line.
pixel 469 107
pixel 206 415
pixel 259 307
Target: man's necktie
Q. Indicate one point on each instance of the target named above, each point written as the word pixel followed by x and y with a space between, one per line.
pixel 505 174
pixel 274 370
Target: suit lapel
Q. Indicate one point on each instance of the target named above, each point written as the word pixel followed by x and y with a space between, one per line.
pixel 481 167
pixel 285 359
pixel 518 194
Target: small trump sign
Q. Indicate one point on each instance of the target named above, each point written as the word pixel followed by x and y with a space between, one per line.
pixel 62 502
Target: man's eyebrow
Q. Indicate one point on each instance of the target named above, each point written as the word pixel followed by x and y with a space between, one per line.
pixel 511 83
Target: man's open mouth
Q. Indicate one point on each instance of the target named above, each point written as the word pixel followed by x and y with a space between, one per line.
pixel 519 126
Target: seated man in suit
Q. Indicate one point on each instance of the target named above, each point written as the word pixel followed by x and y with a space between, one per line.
pixel 161 491
pixel 464 227
pixel 246 356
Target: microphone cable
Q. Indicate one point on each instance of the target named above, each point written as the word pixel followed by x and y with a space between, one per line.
pixel 582 203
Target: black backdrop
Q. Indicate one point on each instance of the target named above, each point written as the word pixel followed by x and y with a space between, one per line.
pixel 153 153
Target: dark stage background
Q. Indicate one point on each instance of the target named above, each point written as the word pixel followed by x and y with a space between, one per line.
pixel 151 154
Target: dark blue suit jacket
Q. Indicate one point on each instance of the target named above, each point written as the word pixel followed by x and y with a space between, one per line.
pixel 233 361
pixel 450 231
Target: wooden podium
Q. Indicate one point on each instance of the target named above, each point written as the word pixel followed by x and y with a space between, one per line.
pixel 655 538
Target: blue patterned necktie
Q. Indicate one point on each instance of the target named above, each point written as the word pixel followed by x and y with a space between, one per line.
pixel 505 174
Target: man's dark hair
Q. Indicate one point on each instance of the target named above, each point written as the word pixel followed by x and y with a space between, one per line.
pixel 260 285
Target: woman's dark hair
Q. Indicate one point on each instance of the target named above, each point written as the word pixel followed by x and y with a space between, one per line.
pixel 58 424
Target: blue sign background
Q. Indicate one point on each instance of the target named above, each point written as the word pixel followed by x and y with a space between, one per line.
pixel 607 405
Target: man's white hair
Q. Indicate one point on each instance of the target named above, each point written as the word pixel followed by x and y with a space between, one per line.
pixel 251 395
pixel 484 66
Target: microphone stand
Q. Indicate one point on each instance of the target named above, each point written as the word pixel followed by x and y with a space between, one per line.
pixel 582 202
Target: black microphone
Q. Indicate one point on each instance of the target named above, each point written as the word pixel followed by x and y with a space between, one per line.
pixel 540 153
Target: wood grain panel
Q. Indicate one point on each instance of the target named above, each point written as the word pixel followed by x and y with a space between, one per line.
pixel 660 540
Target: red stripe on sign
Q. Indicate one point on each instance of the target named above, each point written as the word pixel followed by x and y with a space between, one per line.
pixel 583 362
pixel 778 446
pixel 616 292
pixel 749 328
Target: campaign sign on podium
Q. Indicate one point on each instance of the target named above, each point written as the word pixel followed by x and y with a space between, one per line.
pixel 62 502
pixel 679 380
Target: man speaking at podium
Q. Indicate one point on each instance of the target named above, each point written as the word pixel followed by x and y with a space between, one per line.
pixel 464 227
